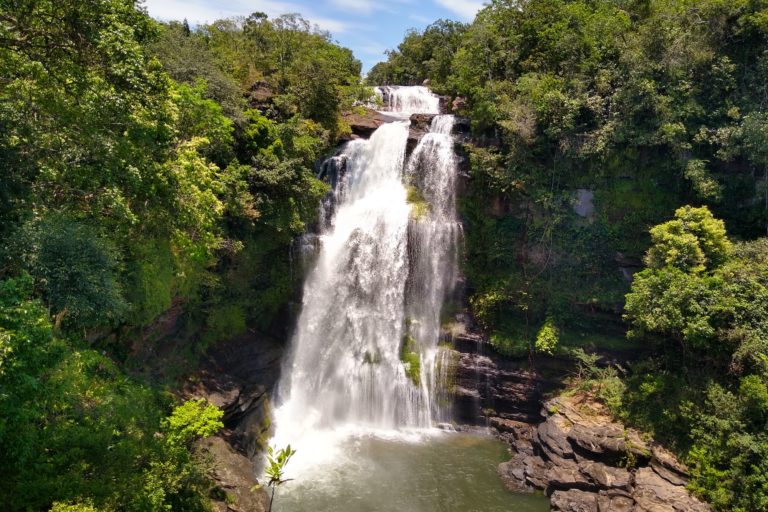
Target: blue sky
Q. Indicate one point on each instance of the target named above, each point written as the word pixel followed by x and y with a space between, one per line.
pixel 368 27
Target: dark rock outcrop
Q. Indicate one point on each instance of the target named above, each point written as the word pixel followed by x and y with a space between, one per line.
pixel 419 127
pixel 585 461
pixel 364 121
pixel 494 387
pixel 238 376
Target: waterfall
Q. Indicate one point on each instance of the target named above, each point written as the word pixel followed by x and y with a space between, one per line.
pixel 364 355
pixel 408 100
pixel 433 237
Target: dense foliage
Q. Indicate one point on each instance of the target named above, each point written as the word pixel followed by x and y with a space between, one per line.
pixel 146 167
pixel 626 109
pixel 421 55
pixel 75 430
pixel 593 121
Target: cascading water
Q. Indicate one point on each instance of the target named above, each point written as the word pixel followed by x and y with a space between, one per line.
pixel 365 354
pixel 408 100
pixel 433 236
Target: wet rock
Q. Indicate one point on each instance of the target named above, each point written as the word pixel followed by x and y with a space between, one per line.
pixel 419 127
pixel 420 123
pixel 238 376
pixel 512 474
pixel 574 501
pixel 462 126
pixel 502 387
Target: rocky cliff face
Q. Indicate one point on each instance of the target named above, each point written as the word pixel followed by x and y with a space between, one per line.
pixel 488 386
pixel 238 376
pixel 567 447
pixel 586 462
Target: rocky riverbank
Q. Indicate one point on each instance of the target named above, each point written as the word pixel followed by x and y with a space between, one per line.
pixel 586 462
pixel 567 447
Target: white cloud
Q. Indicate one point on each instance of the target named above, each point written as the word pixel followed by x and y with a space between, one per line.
pixel 464 8
pixel 206 11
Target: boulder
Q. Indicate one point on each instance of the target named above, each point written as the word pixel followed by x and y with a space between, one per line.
pixel 566 474
pixel 512 474
pixel 553 439
pixel 574 501
pixel 615 501
pixel 608 477
pixel 364 121
pixel 536 472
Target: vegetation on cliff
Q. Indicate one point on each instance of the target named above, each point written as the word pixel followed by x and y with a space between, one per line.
pixel 146 167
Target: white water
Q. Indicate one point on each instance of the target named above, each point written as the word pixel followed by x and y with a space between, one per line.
pixel 381 273
pixel 433 248
pixel 408 100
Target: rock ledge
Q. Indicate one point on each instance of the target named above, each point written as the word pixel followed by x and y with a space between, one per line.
pixel 586 462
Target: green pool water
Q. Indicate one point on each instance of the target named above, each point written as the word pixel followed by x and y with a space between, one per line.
pixel 453 472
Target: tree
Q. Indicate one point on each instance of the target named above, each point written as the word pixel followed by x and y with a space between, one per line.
pixel 693 242
pixel 77 269
pixel 675 296
pixel 192 420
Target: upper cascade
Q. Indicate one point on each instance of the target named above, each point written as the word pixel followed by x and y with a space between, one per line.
pixel 407 100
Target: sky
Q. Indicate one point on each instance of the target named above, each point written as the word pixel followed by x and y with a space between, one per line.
pixel 367 27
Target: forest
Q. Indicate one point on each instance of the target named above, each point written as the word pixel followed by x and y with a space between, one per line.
pixel 150 166
pixel 142 171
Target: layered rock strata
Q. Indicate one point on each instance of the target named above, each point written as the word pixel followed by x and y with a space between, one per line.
pixel 586 462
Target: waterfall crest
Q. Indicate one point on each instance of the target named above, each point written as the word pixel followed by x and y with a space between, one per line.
pixel 408 100
pixel 365 355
